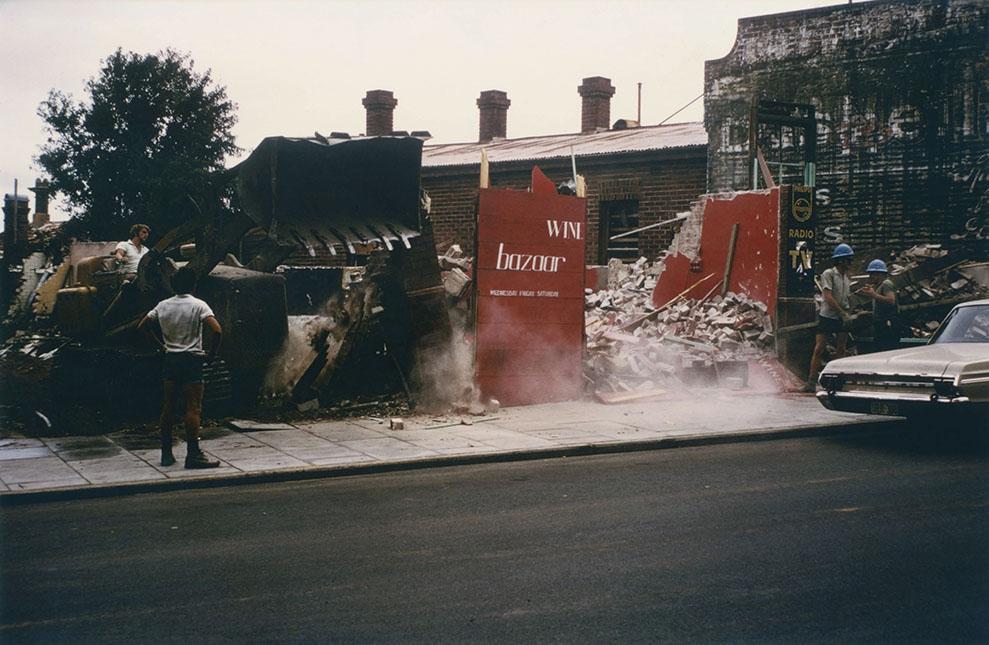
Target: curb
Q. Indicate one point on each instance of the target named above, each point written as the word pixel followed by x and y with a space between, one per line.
pixel 95 491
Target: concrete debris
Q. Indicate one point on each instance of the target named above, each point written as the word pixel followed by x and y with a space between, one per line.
pixel 690 341
pixel 456 271
pixel 396 424
pixel 456 282
pixel 454 258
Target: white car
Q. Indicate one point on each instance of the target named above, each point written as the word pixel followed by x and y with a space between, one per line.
pixel 950 373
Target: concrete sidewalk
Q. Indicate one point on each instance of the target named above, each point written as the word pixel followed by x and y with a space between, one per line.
pixel 68 467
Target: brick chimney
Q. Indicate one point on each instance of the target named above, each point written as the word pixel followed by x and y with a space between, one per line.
pixel 380 106
pixel 494 115
pixel 42 191
pixel 595 113
pixel 14 225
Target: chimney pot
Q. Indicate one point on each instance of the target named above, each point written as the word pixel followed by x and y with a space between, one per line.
pixel 380 106
pixel 493 105
pixel 42 191
pixel 595 113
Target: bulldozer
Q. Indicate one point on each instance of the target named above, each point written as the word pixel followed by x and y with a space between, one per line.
pixel 339 200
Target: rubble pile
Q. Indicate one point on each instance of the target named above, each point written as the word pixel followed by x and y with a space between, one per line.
pixel 634 347
pixel 628 296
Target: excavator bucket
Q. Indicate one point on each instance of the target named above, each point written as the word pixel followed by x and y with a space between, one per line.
pixel 349 196
pixel 333 194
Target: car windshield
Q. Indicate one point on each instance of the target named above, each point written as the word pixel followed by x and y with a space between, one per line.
pixel 965 325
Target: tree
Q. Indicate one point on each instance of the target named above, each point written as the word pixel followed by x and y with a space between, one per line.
pixel 152 134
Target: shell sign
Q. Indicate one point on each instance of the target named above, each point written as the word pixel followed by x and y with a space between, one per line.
pixel 530 294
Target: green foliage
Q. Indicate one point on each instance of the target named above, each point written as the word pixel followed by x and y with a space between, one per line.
pixel 152 134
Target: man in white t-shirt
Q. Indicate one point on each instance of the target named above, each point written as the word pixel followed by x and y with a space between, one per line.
pixel 180 320
pixel 129 252
pixel 835 313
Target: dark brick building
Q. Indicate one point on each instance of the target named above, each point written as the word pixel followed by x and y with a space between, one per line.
pixel 901 97
pixel 635 176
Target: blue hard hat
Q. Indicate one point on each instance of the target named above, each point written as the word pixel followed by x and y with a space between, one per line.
pixel 842 251
pixel 877 266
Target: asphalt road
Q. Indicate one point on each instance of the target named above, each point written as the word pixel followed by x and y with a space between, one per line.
pixel 855 539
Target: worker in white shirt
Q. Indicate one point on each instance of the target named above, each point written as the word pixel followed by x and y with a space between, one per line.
pixel 835 314
pixel 128 253
pixel 180 320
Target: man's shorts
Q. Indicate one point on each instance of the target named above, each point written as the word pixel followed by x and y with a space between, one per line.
pixel 183 368
pixel 827 325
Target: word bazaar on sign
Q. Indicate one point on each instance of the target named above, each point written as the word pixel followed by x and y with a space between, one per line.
pixel 541 263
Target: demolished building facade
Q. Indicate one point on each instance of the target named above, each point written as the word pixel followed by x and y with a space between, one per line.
pixel 896 93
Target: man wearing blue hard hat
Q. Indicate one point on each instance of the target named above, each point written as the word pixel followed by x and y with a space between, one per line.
pixel 834 316
pixel 885 313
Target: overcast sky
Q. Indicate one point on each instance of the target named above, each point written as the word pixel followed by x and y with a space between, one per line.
pixel 296 67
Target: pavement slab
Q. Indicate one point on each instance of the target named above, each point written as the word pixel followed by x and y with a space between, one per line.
pixel 120 474
pixel 346 460
pixel 501 437
pixel 14 443
pixel 268 462
pixel 9 454
pixel 54 484
pixel 443 441
pixel 14 472
pixel 344 431
pixel 246 425
pixel 286 440
pixel 570 436
pixel 388 448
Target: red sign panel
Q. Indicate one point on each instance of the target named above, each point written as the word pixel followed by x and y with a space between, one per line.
pixel 529 278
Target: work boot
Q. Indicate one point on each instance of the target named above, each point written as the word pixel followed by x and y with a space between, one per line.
pixel 199 460
pixel 167 458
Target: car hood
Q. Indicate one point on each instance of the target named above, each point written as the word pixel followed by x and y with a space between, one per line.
pixel 939 359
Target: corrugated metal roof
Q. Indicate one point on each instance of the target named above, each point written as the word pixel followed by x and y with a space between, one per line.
pixel 653 137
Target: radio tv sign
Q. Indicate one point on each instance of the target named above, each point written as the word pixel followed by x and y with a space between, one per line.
pixel 530 295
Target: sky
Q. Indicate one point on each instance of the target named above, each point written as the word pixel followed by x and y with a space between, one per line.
pixel 297 66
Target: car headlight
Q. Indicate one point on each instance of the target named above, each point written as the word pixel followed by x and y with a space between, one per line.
pixel 832 382
pixel 945 388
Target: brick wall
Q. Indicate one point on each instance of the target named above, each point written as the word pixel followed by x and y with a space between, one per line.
pixel 665 184
pixel 901 94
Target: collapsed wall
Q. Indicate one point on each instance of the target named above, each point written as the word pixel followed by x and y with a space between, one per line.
pixel 732 238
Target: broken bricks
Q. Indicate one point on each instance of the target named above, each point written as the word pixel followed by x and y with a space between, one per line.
pixel 633 347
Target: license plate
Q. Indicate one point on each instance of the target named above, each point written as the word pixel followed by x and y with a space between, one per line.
pixel 884 407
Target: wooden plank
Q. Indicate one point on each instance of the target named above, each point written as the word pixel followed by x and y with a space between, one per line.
pixel 731 258
pixel 767 176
